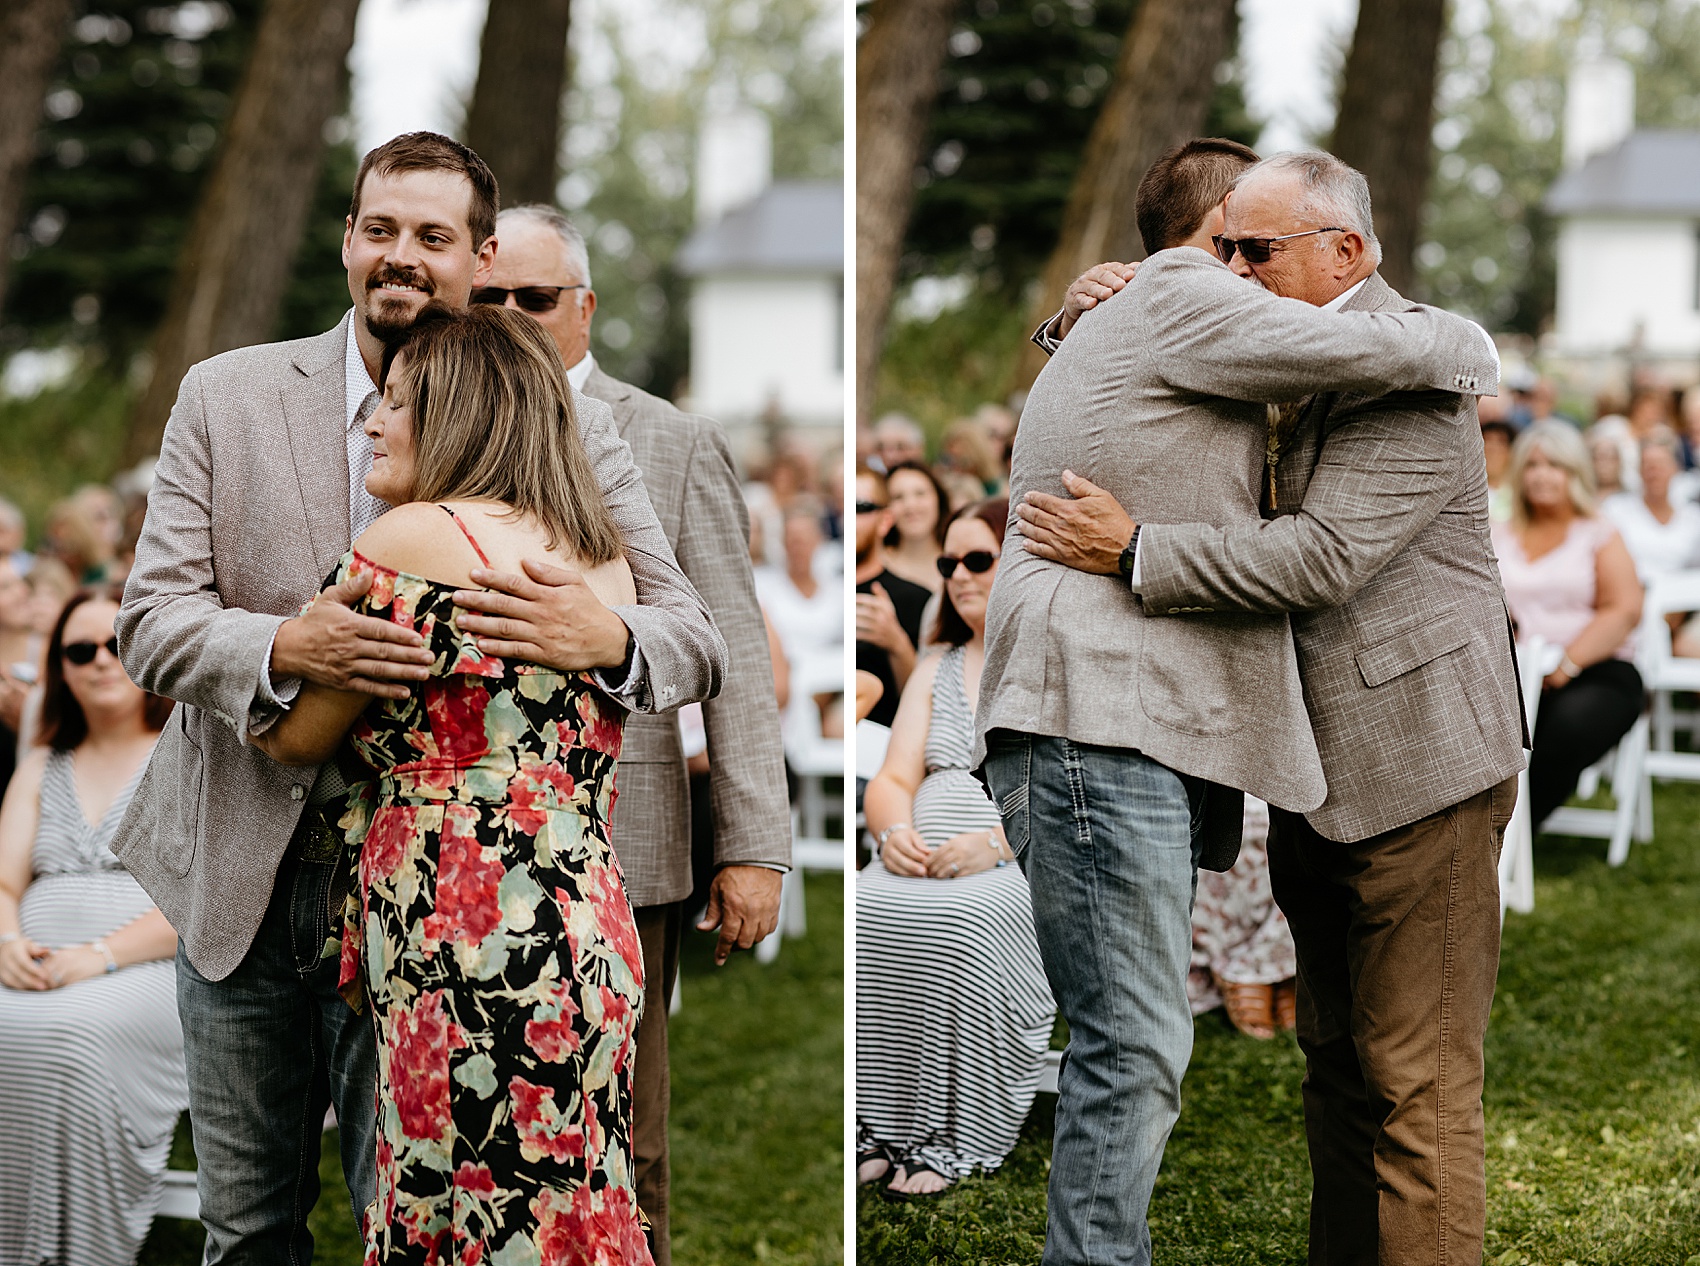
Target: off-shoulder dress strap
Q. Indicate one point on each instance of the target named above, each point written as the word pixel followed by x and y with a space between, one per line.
pixel 467 532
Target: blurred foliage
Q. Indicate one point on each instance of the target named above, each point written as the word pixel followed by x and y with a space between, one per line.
pixel 1020 91
pixel 64 437
pixel 632 123
pixel 1488 247
pixel 134 115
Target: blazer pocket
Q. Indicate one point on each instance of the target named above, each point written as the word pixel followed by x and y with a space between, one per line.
pixel 1410 650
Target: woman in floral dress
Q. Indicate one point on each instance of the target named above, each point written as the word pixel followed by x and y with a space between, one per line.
pixel 490 929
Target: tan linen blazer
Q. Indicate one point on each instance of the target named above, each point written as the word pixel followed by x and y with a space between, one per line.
pixel 1159 396
pixel 1381 550
pixel 247 514
pixel 687 469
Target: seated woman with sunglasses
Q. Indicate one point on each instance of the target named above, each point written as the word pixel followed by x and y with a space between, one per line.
pixel 91 1053
pixel 489 927
pixel 953 1015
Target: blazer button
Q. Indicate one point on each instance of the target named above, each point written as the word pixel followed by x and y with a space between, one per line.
pixel 297 791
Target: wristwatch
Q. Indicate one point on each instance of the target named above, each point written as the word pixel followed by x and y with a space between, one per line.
pixel 1124 564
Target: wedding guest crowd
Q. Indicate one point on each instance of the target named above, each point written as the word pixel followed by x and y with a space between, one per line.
pixel 953 1014
pixel 91 1069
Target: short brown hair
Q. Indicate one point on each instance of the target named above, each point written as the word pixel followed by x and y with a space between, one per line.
pixel 63 725
pixel 493 418
pixel 1178 190
pixel 430 151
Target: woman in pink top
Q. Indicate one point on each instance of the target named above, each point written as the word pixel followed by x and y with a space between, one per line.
pixel 1570 581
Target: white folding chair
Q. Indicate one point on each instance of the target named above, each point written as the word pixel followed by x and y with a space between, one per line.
pixel 1517 855
pixel 1664 673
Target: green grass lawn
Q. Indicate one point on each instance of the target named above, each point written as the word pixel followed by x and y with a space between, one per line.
pixel 757 1124
pixel 1593 1099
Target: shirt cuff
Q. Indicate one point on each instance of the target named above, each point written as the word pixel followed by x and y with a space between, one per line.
pixel 1133 576
pixel 628 692
pixel 1048 337
pixel 783 870
pixel 272 699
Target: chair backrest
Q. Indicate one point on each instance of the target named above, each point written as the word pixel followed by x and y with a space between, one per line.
pixel 872 739
pixel 1667 594
pixel 1536 657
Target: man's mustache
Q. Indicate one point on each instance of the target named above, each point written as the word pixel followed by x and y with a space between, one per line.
pixel 389 275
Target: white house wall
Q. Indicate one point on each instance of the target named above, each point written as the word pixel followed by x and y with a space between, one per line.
pixel 1616 274
pixel 757 339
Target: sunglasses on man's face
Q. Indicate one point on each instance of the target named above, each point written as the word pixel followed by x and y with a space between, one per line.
pixel 1258 249
pixel 82 653
pixel 531 298
pixel 975 560
pixel 868 507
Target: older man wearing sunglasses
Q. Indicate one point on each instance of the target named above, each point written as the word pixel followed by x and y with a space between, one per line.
pixel 1374 535
pixel 543 268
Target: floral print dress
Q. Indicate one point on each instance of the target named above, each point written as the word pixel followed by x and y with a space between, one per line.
pixel 491 931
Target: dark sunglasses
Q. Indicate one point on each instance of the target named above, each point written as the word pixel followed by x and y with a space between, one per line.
pixel 868 507
pixel 1257 249
pixel 83 653
pixel 531 298
pixel 975 560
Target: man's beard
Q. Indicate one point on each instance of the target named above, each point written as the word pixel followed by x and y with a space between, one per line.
pixel 389 315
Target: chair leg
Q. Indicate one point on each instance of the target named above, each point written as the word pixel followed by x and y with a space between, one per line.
pixel 1626 786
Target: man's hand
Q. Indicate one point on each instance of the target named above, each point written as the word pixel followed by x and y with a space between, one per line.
pixel 332 646
pixel 743 902
pixel 548 616
pixel 20 965
pixel 1090 289
pixel 1087 533
pixel 877 622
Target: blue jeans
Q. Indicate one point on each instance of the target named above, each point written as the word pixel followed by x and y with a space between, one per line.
pixel 268 1048
pixel 1107 838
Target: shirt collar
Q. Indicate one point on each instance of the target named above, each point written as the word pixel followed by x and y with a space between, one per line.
pixel 580 372
pixel 1343 298
pixel 357 383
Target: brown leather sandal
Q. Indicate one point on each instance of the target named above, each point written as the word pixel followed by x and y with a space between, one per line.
pixel 1251 1008
pixel 1287 1005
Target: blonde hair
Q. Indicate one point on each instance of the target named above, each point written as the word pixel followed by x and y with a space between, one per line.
pixel 1562 445
pixel 493 420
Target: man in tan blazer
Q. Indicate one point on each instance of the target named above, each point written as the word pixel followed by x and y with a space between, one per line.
pixel 543 268
pixel 1110 736
pixel 258 491
pixel 1376 537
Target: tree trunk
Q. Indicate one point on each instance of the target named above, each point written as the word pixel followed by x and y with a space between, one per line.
pixel 31 32
pixel 897 77
pixel 234 269
pixel 1386 119
pixel 515 119
pixel 1165 78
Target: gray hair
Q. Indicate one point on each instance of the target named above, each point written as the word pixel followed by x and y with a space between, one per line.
pixel 541 213
pixel 1333 193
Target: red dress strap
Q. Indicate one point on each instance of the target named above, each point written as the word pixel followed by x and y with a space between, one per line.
pixel 465 531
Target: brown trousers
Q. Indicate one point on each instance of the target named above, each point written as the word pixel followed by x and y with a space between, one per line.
pixel 659 931
pixel 1398 950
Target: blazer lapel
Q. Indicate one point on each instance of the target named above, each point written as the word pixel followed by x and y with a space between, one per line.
pixel 314 409
pixel 617 395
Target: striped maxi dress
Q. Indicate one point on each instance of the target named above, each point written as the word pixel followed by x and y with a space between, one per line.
pixel 91 1075
pixel 953 1014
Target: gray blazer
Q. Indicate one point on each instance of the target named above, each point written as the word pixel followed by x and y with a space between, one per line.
pixel 248 513
pixel 1159 396
pixel 687 469
pixel 1401 628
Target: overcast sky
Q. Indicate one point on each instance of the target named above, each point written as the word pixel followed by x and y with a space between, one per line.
pixel 414 60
